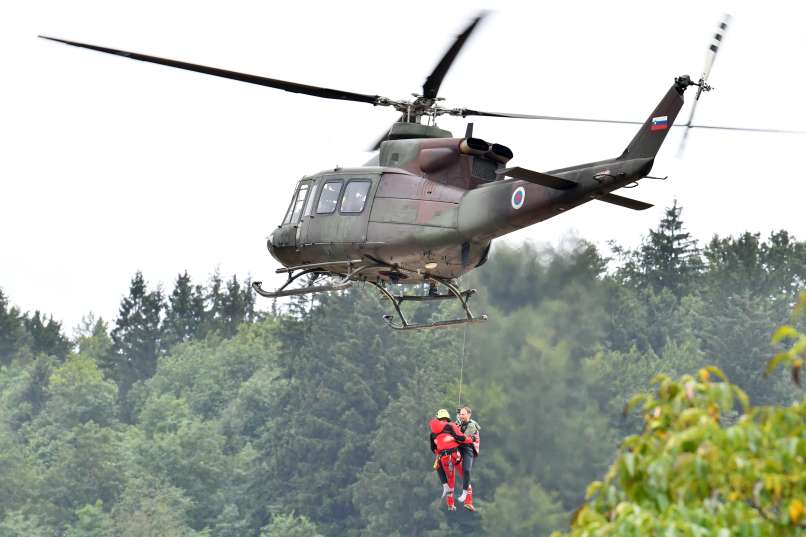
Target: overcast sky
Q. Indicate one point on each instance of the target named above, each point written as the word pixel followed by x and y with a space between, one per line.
pixel 111 166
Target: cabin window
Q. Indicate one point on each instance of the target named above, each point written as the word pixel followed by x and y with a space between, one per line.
pixel 355 196
pixel 329 197
pixel 309 201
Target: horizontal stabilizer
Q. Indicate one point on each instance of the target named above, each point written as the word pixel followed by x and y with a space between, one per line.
pixel 625 202
pixel 538 178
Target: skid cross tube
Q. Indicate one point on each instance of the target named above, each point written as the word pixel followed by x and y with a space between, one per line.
pixel 454 293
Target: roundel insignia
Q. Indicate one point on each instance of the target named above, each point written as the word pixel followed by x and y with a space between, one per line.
pixel 518 197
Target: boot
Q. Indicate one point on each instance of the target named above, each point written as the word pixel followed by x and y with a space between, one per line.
pixel 445 490
pixel 468 498
pixel 449 502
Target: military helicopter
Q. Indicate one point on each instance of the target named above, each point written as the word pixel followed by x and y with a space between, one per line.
pixel 425 209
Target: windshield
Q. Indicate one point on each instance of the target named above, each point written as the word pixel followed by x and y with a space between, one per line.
pixel 297 203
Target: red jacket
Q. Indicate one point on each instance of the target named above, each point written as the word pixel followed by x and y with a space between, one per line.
pixel 446 435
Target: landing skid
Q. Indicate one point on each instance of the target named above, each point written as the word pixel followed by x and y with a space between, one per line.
pixel 453 294
pixel 294 273
pixel 354 268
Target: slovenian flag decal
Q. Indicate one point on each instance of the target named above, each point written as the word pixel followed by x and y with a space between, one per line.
pixel 659 123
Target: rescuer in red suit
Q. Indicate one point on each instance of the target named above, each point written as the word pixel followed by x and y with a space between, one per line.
pixel 445 440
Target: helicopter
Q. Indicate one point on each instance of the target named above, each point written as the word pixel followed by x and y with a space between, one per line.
pixel 425 209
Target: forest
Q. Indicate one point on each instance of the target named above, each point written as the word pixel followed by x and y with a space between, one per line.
pixel 201 410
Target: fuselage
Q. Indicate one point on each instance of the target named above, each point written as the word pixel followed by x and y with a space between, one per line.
pixel 433 209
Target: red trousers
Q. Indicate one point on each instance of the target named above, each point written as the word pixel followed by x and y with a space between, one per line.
pixel 449 464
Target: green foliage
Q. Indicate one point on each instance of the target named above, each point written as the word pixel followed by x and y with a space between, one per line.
pixel 668 258
pixel 26 397
pixel 236 306
pixel 149 507
pixel 91 521
pixel 184 314
pixel 207 374
pixel 81 466
pixel 18 471
pixel 46 336
pixel 290 526
pixel 93 339
pixel 695 469
pixel 79 394
pixel 12 334
pixel 397 489
pixel 136 335
pixel 522 508
pixel 198 418
pixel 794 356
pixel 17 524
pixel 190 458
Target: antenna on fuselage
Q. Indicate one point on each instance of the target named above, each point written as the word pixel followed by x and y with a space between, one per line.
pixel 469 130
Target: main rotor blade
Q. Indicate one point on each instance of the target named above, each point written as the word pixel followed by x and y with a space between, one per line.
pixel 469 112
pixel 434 80
pixel 316 91
pixel 748 129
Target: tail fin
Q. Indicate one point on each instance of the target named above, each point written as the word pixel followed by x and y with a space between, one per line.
pixel 650 136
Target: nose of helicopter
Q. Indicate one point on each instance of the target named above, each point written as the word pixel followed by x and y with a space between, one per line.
pixel 270 245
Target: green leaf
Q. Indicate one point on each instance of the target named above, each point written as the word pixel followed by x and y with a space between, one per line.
pixel 714 370
pixel 775 362
pixel 629 463
pixel 784 332
pixel 743 399
pixel 633 402
pixel 592 489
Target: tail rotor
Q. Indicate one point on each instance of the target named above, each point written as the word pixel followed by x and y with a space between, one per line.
pixel 702 84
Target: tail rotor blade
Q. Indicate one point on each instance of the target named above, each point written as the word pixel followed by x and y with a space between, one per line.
pixel 716 42
pixel 713 50
pixel 687 126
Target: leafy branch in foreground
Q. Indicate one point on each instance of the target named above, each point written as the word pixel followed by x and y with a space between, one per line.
pixel 706 463
pixel 795 355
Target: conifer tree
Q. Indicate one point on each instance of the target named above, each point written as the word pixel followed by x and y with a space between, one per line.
pixel 233 308
pixel 11 331
pixel 669 257
pixel 250 315
pixel 136 335
pixel 46 336
pixel 93 341
pixel 214 299
pixel 184 313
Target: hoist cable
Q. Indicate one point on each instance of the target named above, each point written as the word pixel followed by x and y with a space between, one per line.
pixel 462 366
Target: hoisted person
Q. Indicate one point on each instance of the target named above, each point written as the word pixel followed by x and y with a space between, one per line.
pixel 468 450
pixel 445 439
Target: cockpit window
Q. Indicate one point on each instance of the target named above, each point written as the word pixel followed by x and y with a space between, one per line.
pixel 355 196
pixel 295 209
pixel 300 203
pixel 329 197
